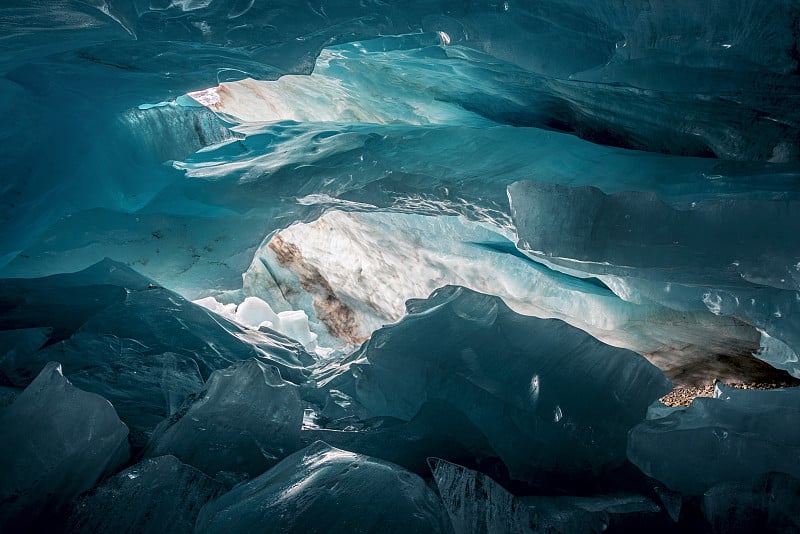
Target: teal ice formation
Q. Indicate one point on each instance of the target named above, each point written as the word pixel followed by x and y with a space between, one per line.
pixel 399 266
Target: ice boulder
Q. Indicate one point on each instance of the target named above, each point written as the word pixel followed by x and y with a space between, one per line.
pixel 438 429
pixel 254 312
pixel 477 504
pixel 18 344
pixel 294 323
pixel 769 503
pixel 324 489
pixel 244 421
pixel 58 441
pixel 548 397
pixel 733 437
pixel 144 387
pixel 156 495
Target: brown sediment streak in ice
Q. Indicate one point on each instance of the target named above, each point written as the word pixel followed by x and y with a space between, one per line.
pixel 337 316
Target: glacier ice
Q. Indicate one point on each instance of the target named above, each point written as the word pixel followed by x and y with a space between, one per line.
pixel 256 313
pixel 735 258
pixel 736 241
pixel 548 397
pixel 778 354
pixel 304 169
pixel 438 429
pixel 325 489
pixel 244 420
pixel 584 104
pixel 199 222
pixel 733 437
pixel 114 333
pixel 58 441
pixel 358 253
pixel 146 497
pixel 767 502
pixel 478 504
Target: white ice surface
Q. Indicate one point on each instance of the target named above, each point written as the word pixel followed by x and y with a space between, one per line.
pixel 375 262
pixel 255 313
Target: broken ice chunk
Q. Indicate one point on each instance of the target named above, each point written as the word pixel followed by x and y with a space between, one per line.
pixel 244 421
pixel 438 429
pixel 672 501
pixel 510 375
pixel 18 344
pixel 253 311
pixel 295 325
pixel 256 313
pixel 145 388
pixel 769 503
pixel 734 437
pixel 477 504
pixel 157 495
pixel 324 489
pixel 58 441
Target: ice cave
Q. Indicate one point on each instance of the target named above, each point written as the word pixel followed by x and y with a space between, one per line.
pixel 400 266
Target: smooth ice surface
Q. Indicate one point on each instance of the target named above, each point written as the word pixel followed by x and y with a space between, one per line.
pixel 548 397
pixel 58 441
pixel 244 420
pixel 733 437
pixel 154 495
pixel 438 429
pixel 641 233
pixel 325 489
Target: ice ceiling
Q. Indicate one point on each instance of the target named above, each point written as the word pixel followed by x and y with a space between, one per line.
pixel 470 239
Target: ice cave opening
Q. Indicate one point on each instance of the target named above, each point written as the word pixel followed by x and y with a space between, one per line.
pixel 356 266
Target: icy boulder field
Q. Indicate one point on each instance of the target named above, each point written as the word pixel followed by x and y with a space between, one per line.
pixel 399 266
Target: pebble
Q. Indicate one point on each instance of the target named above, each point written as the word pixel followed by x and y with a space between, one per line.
pixel 685 396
